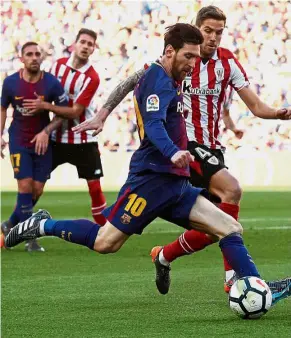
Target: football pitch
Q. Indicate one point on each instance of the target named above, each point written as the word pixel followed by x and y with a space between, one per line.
pixel 70 291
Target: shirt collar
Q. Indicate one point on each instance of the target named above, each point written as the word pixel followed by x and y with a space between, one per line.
pixel 215 55
pixel 82 69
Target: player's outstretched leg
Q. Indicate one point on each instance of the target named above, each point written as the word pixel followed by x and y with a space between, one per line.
pixel 27 230
pixel 81 231
pixel 163 279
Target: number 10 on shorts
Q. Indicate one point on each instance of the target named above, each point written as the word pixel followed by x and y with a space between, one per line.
pixel 135 205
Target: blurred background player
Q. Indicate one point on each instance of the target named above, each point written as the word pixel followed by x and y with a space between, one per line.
pixel 204 92
pixel 31 160
pixel 80 82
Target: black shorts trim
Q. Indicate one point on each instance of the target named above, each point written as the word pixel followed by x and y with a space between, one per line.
pixel 207 163
pixel 85 157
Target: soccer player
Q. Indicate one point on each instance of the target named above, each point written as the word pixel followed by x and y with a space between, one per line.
pixel 203 92
pixel 31 159
pixel 157 184
pixel 80 81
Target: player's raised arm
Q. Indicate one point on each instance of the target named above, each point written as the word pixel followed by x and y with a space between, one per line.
pixel 260 109
pixel 117 95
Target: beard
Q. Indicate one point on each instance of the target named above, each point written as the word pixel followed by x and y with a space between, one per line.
pixel 33 70
pixel 175 70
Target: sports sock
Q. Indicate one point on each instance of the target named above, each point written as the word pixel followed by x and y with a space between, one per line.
pixel 79 231
pixel 237 255
pixel 14 218
pixel 232 210
pixel 23 208
pixel 189 242
pixel 98 201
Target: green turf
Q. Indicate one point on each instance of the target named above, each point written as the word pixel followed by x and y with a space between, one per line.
pixel 69 291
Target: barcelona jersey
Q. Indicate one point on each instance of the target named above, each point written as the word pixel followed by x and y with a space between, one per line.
pixel 159 108
pixel 24 126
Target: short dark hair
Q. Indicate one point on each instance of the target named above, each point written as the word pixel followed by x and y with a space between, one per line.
pixel 29 43
pixel 88 32
pixel 209 12
pixel 180 33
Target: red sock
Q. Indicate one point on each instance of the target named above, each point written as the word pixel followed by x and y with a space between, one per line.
pixel 232 210
pixel 98 201
pixel 189 242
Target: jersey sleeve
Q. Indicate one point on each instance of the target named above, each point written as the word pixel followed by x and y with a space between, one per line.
pixel 5 95
pixel 87 91
pixel 155 102
pixel 238 76
pixel 59 96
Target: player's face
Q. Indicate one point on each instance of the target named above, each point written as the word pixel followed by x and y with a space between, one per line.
pixel 184 61
pixel 32 58
pixel 211 30
pixel 84 47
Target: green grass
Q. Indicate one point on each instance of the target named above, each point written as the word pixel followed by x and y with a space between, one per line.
pixel 69 291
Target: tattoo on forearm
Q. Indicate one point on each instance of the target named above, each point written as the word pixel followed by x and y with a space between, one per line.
pixel 119 93
pixel 55 123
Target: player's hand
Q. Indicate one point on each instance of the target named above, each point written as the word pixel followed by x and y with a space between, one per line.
pixel 238 133
pixel 284 114
pixel 182 158
pixel 3 145
pixel 41 142
pixel 34 106
pixel 96 123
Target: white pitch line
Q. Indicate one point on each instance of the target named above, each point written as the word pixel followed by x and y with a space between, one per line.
pixel 264 219
pixel 180 230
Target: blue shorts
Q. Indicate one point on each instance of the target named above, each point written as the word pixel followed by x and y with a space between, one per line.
pixel 27 164
pixel 149 195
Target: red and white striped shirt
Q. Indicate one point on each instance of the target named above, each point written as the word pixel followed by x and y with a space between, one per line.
pixel 80 85
pixel 228 98
pixel 204 93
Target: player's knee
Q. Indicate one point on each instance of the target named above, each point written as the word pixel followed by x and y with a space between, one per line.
pixel 232 192
pixel 25 186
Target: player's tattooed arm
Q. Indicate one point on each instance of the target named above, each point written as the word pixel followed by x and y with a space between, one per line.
pixel 55 123
pixel 119 93
pixel 41 140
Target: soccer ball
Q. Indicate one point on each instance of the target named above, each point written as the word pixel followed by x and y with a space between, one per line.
pixel 250 297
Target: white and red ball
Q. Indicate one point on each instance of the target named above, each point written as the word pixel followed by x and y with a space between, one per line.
pixel 250 297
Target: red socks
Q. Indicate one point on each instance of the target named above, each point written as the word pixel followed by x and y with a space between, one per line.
pixel 232 210
pixel 98 201
pixel 192 240
pixel 189 242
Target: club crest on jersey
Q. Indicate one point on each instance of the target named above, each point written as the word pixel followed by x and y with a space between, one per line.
pixel 153 103
pixel 125 219
pixel 213 160
pixel 219 73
